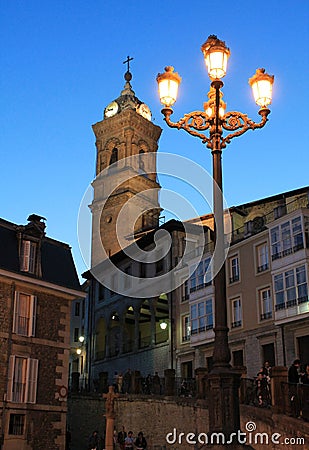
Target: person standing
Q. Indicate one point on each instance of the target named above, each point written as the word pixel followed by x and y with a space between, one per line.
pixel 93 442
pixel 127 380
pixel 262 391
pixel 120 382
pixel 293 374
pixel 121 438
pixel 140 442
pixel 156 384
pixel 293 380
pixel 129 441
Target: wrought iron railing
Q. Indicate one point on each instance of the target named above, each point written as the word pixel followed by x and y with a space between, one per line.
pixel 185 387
pixel 294 400
pixel 255 392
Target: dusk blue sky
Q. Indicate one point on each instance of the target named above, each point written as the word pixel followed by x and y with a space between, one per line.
pixel 61 64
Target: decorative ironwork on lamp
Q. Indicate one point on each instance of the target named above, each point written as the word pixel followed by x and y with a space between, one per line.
pixel 214 118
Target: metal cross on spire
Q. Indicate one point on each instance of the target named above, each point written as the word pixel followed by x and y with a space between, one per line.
pixel 127 61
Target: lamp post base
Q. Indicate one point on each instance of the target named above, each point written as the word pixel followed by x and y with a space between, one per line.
pixel 223 395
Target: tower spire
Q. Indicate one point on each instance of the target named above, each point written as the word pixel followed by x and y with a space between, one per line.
pixel 128 77
pixel 127 61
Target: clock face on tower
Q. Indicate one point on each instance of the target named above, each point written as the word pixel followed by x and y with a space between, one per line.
pixel 111 109
pixel 144 111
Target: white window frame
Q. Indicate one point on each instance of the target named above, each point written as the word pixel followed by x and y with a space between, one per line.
pixel 262 255
pixel 290 287
pixel 28 256
pixel 186 328
pixel 24 321
pixel 201 275
pixel 234 268
pixel 209 315
pixel 185 291
pixel 22 380
pixel 287 237
pixel 236 312
pixel 202 317
pixel 265 300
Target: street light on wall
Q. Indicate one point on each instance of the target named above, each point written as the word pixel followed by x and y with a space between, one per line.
pixel 209 125
pixel 163 324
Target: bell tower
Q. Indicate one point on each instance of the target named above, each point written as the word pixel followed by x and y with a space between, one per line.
pixel 126 188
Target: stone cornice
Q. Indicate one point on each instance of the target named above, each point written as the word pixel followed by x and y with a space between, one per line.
pixel 127 119
pixel 37 283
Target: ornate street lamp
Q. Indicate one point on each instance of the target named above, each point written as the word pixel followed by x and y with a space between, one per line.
pixel 223 382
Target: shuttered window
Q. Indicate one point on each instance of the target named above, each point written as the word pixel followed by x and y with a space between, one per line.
pixel 24 314
pixel 28 256
pixel 23 374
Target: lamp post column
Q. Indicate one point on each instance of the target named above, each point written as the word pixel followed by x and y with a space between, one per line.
pixel 223 383
pixel 221 356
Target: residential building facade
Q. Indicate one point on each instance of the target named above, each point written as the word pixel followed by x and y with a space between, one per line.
pixel 38 282
pixel 267 290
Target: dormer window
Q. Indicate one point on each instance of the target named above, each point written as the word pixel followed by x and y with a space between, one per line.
pixel 28 256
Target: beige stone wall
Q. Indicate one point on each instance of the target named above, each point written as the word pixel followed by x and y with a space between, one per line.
pixel 156 418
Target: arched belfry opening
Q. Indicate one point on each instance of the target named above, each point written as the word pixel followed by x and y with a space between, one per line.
pixel 114 156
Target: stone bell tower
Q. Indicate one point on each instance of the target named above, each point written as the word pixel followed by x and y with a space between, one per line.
pixel 125 202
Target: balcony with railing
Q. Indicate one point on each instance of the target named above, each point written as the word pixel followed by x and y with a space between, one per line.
pixel 22 326
pixel 287 251
pixel 234 279
pixel 266 316
pixel 263 268
pixel 292 308
pixel 236 324
pixel 18 392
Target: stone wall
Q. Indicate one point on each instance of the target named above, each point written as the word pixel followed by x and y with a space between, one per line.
pixel 157 417
pixel 85 414
pixel 45 420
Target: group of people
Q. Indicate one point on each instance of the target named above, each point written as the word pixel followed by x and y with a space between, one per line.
pixel 127 441
pixel 122 441
pixel 262 389
pixel 151 384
